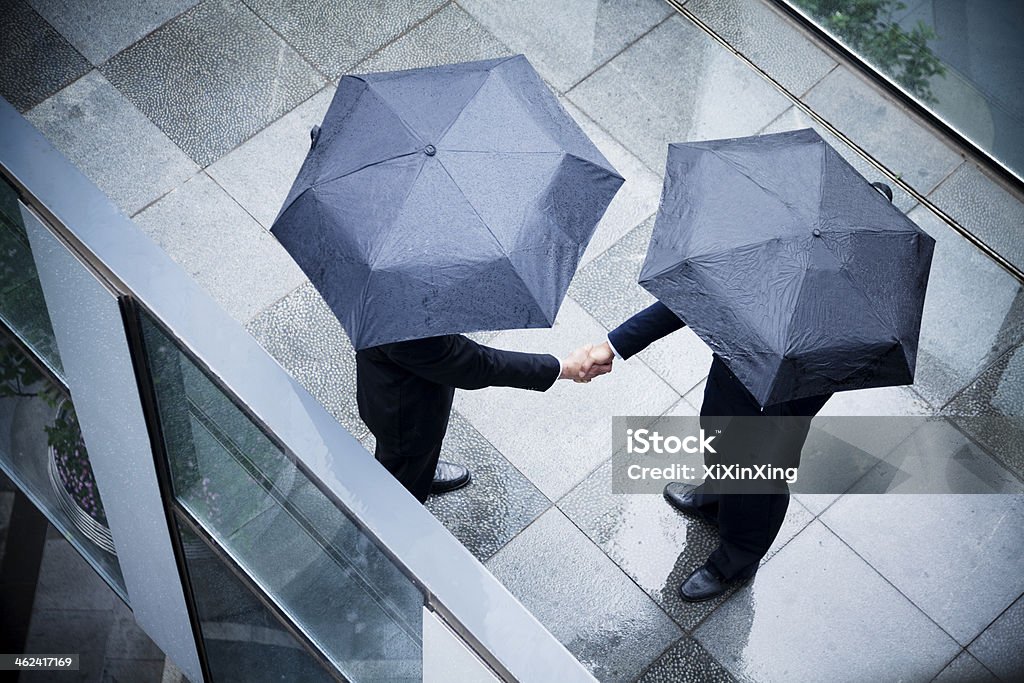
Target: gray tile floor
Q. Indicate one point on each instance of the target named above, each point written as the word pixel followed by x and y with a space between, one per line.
pixel 195 120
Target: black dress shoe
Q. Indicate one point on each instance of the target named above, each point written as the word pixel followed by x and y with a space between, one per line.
pixel 706 584
pixel 682 497
pixel 449 476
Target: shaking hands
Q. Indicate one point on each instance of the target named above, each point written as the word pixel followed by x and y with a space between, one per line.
pixel 587 362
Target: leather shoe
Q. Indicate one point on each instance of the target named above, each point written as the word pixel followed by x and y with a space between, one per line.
pixel 705 584
pixel 682 497
pixel 449 476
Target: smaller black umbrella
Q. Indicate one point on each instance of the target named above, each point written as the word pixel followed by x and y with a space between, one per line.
pixel 797 272
pixel 443 200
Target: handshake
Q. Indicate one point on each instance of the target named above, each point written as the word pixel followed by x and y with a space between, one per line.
pixel 587 362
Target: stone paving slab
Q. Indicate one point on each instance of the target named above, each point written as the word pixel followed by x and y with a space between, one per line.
pixel 772 42
pixel 675 84
pixel 965 668
pixel 882 128
pixel 686 662
pixel 607 288
pixel 654 544
pixel 35 60
pixel 998 647
pixel 957 557
pixel 817 611
pixel 567 45
pixel 259 172
pixel 99 30
pixel 212 77
pixel 588 603
pixel 228 253
pixel 451 35
pixel 302 334
pixel 333 36
pixel 997 397
pixel 985 208
pixel 499 502
pixel 972 314
pixel 121 151
pixel 637 198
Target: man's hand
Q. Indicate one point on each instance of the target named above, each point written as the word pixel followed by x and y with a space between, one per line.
pixel 586 363
pixel 572 366
pixel 598 362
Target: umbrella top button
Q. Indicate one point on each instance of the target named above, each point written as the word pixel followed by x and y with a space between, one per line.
pixel 816 232
pixel 430 150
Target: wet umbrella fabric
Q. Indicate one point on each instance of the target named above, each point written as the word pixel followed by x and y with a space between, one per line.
pixel 798 273
pixel 445 200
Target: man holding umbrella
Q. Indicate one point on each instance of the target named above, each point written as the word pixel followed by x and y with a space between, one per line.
pixel 435 202
pixel 803 280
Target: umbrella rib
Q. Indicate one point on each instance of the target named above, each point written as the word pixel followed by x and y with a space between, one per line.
pixel 470 99
pixel 696 266
pixel 383 100
pixel 484 151
pixel 380 244
pixel 792 315
pixel 361 168
pixel 354 104
pixel 889 325
pixel 746 175
pixel 735 247
pixel 490 232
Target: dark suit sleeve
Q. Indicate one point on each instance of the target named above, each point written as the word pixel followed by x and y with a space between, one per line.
pixel 643 329
pixel 456 361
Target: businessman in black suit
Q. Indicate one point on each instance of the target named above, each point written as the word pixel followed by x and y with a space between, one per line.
pixel 747 522
pixel 405 392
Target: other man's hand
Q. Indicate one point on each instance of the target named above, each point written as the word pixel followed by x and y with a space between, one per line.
pixel 598 361
pixel 572 366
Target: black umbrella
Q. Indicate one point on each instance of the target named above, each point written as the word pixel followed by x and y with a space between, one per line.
pixel 801 276
pixel 445 200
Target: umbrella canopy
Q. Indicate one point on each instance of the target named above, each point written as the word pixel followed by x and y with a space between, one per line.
pixel 801 276
pixel 445 200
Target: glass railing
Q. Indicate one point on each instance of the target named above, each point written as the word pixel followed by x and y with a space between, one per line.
pixel 231 482
pixel 255 538
pixel 959 59
pixel 41 445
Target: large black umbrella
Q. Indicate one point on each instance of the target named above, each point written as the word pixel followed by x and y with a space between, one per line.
pixel 801 276
pixel 445 200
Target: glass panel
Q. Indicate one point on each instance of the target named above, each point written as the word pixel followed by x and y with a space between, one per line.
pixel 41 446
pixel 313 561
pixel 242 638
pixel 22 306
pixel 41 450
pixel 960 58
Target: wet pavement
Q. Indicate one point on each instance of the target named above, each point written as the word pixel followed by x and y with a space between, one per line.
pixel 857 587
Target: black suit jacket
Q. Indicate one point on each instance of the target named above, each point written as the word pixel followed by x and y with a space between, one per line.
pixel 775 441
pixel 405 389
pixel 724 394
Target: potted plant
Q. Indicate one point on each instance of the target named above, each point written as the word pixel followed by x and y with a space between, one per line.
pixel 69 468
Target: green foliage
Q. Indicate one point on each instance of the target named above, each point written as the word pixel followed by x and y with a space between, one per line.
pixel 867 26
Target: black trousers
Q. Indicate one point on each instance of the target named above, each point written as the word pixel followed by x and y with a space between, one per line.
pixel 415 472
pixel 747 524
